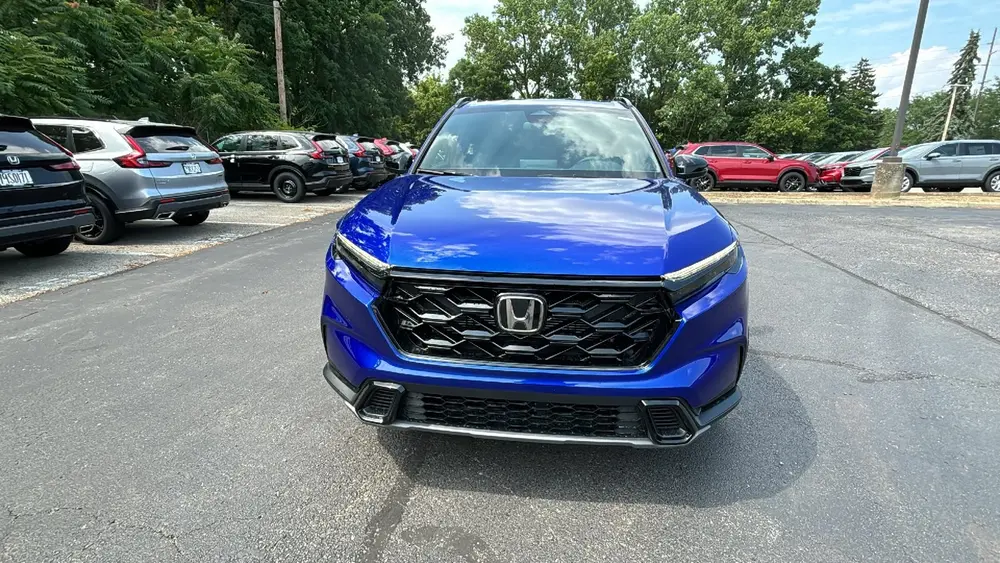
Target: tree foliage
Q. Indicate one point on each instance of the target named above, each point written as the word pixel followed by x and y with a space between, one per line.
pixel 211 64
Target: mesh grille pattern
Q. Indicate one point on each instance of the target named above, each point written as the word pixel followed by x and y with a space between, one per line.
pixel 584 327
pixel 524 416
pixel 666 422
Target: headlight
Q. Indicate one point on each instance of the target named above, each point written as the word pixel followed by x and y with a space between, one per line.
pixel 373 270
pixel 685 282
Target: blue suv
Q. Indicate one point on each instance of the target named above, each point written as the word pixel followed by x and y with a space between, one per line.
pixel 540 274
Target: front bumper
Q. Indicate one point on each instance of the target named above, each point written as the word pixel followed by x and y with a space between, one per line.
pixel 693 377
pixel 165 208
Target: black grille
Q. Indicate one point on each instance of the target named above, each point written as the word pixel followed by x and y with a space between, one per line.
pixel 852 171
pixel 619 421
pixel 584 327
pixel 666 423
pixel 379 402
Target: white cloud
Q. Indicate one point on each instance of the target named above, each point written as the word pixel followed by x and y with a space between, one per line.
pixel 933 68
pixel 448 16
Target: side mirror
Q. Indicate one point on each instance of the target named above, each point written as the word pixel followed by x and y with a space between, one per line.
pixel 933 155
pixel 689 166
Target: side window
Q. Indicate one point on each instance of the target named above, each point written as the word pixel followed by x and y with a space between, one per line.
pixel 84 140
pixel 996 148
pixel 951 149
pixel 976 149
pixel 287 142
pixel 725 151
pixel 753 152
pixel 55 132
pixel 262 142
pixel 228 144
pixel 702 151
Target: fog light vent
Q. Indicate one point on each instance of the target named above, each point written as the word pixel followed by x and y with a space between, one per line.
pixel 381 402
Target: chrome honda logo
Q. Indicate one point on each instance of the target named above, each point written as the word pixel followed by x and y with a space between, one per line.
pixel 13 160
pixel 520 313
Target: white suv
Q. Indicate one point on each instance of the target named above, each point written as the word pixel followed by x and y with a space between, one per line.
pixel 947 166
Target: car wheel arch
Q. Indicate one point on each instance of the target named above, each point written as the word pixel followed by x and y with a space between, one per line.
pixel 789 169
pixel 990 172
pixel 100 189
pixel 285 168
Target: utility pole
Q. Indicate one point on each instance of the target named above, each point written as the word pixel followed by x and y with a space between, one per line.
pixel 951 109
pixel 279 62
pixel 889 173
pixel 982 83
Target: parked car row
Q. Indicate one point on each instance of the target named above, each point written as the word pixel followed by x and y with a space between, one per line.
pixel 946 166
pixel 90 177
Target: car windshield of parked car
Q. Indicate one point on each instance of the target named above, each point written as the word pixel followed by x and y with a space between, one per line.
pixel 915 149
pixel 867 155
pixel 543 140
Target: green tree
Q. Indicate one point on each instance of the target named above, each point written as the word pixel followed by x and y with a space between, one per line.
pixel 796 124
pixel 481 80
pixel 429 99
pixel 963 75
pixel 599 44
pixel 522 42
pixel 987 123
pixel 36 80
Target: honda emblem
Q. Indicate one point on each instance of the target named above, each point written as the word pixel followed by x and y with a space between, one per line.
pixel 519 313
pixel 13 160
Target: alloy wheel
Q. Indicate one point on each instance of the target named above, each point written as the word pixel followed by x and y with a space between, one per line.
pixel 94 231
pixel 995 183
pixel 906 183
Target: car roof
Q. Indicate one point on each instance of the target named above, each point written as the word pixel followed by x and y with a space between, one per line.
pixel 713 143
pixel 553 102
pixel 92 121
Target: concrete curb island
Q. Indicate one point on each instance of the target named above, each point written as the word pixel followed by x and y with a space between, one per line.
pixel 839 198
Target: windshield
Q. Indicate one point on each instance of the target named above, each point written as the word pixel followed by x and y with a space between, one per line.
pixel 543 140
pixel 915 149
pixel 867 155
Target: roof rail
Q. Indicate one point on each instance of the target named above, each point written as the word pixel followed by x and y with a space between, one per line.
pixel 624 101
pixel 462 101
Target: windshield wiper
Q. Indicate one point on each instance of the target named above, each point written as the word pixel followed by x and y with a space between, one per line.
pixel 178 148
pixel 440 172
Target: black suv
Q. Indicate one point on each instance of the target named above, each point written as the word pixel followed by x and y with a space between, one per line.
pixel 42 202
pixel 289 163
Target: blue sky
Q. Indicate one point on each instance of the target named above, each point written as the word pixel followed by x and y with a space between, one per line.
pixel 848 29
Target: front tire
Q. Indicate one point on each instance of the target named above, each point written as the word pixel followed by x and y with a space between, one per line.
pixel 992 184
pixel 704 183
pixel 191 219
pixel 289 187
pixel 43 248
pixel 106 229
pixel 792 182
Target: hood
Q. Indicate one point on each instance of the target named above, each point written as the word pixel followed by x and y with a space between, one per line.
pixel 546 226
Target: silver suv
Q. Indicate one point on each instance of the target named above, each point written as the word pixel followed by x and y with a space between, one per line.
pixel 947 166
pixel 140 170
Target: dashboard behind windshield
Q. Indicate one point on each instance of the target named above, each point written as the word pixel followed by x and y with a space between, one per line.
pixel 543 140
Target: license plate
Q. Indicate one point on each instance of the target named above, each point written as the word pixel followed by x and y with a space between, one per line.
pixel 378 159
pixel 340 160
pixel 192 168
pixel 15 178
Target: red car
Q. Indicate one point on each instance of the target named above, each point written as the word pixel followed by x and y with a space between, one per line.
pixel 830 174
pixel 746 165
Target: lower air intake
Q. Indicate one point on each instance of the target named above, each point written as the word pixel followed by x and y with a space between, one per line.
pixel 535 417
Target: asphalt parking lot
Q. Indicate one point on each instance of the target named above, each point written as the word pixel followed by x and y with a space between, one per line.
pixel 176 412
pixel 150 241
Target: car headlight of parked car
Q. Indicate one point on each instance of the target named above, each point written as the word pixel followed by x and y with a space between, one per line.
pixel 371 269
pixel 687 281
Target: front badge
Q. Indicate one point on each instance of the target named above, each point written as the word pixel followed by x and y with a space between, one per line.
pixel 520 313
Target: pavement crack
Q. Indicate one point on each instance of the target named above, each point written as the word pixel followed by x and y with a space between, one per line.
pixel 869 375
pixel 381 527
pixel 900 296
